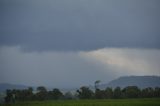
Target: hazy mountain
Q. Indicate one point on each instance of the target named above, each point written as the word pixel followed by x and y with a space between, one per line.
pixel 4 86
pixel 140 81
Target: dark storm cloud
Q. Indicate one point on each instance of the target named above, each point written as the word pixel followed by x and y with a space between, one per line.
pixel 79 24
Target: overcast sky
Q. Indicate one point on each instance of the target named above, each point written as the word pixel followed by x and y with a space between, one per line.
pixel 70 43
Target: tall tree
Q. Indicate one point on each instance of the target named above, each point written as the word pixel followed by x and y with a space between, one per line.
pixel 99 94
pixel 148 92
pixel 131 92
pixel 157 92
pixel 57 94
pixel 42 93
pixel 108 93
pixel 9 96
pixel 85 93
pixel 96 84
pixel 117 93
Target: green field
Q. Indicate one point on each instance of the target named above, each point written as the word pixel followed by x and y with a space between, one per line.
pixel 108 102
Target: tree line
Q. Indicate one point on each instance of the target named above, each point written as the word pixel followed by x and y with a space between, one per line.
pixel 29 94
pixel 118 93
pixel 82 93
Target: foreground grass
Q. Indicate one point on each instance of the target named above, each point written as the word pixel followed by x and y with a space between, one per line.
pixel 108 102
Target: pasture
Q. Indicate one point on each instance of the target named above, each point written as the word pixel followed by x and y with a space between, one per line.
pixel 106 102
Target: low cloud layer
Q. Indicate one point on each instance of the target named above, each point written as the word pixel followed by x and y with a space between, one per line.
pixel 74 69
pixel 55 69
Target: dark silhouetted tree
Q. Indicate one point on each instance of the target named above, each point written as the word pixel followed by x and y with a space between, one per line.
pixel 42 93
pixel 99 94
pixel 131 92
pixel 8 97
pixel 117 93
pixel 96 84
pixel 157 92
pixel 108 93
pixel 57 94
pixel 147 92
pixel 85 93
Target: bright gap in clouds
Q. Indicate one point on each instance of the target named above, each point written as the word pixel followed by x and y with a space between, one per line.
pixel 75 69
pixel 130 61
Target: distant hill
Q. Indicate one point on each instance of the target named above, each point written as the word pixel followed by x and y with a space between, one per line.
pixel 4 86
pixel 139 81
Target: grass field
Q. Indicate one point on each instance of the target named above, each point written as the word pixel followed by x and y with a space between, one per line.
pixel 109 102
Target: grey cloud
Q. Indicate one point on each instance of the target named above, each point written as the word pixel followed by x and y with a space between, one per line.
pixel 79 24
